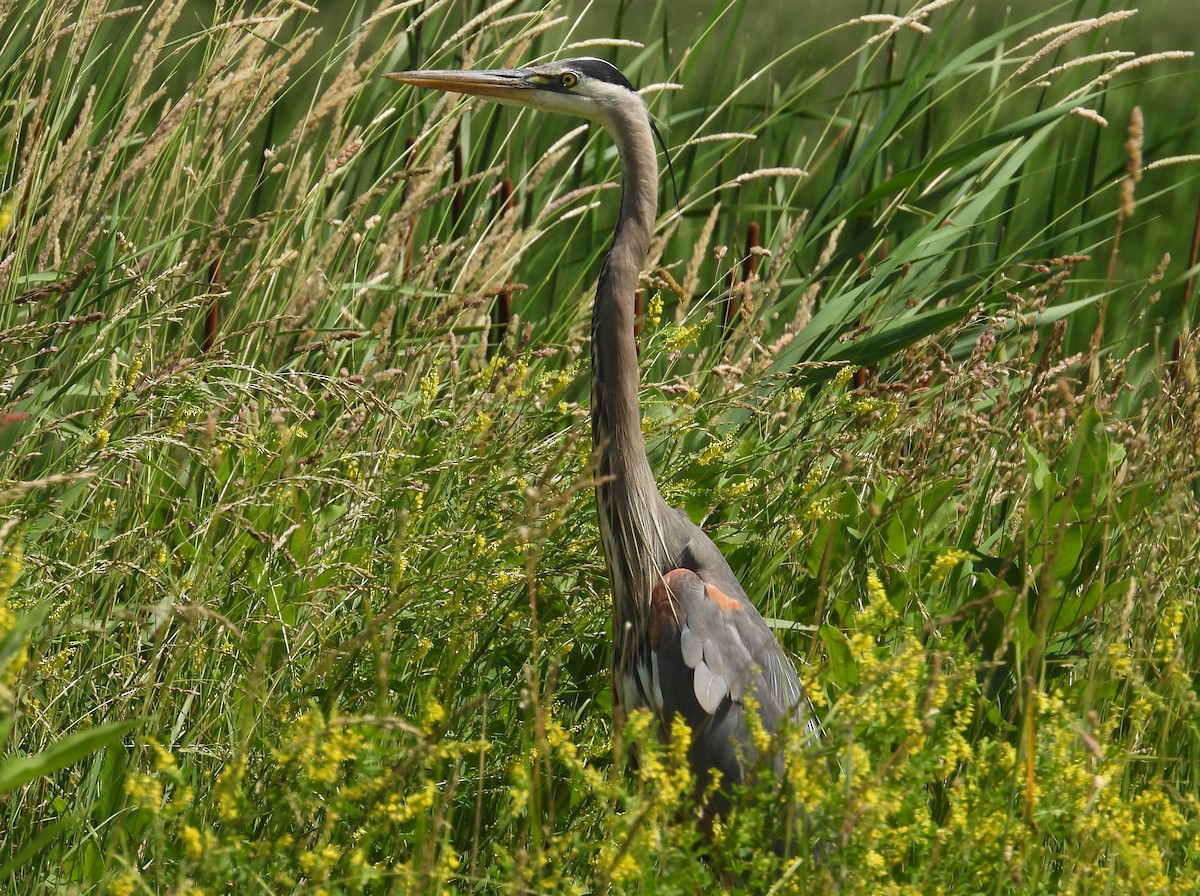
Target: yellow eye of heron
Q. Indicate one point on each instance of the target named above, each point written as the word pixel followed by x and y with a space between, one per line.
pixel 569 80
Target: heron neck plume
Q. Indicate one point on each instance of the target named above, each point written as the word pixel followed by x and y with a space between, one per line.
pixel 630 506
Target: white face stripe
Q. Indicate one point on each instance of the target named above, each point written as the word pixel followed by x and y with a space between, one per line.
pixel 590 98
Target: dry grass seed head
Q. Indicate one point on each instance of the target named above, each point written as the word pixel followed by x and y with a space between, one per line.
pixel 1133 163
pixel 476 28
pixel 1128 65
pixel 83 27
pixel 804 308
pixel 1063 34
pixel 1091 58
pixel 691 277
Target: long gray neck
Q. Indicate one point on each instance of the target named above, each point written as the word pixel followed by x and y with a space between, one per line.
pixel 630 506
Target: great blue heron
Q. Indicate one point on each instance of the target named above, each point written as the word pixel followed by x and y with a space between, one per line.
pixel 686 638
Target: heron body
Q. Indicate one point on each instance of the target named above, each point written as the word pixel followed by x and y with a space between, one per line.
pixel 687 641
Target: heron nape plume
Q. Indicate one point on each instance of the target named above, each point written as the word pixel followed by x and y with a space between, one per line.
pixel 686 638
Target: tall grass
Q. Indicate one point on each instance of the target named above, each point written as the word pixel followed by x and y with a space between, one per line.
pixel 300 586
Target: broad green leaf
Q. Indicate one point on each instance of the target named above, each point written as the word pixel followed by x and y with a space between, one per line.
pixel 841 660
pixel 20 770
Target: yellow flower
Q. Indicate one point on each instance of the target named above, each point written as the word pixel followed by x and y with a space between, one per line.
pixel 110 401
pixel 743 488
pixel 164 761
pixel 228 783
pixel 1118 658
pixel 481 424
pixel 625 868
pixel 654 310
pixel 820 509
pixel 10 569
pixel 193 844
pixel 318 863
pixel 679 338
pixel 716 448
pixel 844 375
pixel 946 561
pixel 125 885
pixel 414 804
pixel 865 405
pixel 435 713
pixel 875 590
pixel 811 480
pixel 144 791
pixel 429 390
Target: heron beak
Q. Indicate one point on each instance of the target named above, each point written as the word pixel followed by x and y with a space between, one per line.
pixel 511 85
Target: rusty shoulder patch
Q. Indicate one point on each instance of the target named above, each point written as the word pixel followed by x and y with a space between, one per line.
pixel 665 611
pixel 721 599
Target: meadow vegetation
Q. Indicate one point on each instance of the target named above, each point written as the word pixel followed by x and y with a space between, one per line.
pixel 300 584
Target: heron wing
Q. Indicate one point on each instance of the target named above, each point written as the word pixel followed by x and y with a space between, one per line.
pixel 710 650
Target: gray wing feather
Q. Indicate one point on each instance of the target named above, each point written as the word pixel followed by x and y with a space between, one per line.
pixel 711 689
pixel 691 646
pixel 712 650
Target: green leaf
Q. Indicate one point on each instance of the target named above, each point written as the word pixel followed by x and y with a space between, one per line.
pixel 34 845
pixel 841 660
pixel 1039 469
pixel 69 750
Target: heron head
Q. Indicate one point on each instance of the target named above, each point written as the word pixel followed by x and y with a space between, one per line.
pixel 585 88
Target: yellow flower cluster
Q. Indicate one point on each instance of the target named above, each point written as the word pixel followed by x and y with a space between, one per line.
pixel 10 570
pixel 192 842
pixel 318 748
pixel 505 578
pixel 519 790
pixel 1170 628
pixel 145 791
pixel 679 338
pixel 481 424
pixel 229 783
pixel 566 752
pixel 654 310
pixel 135 370
pixel 743 488
pixel 622 866
pixel 551 382
pixel 429 389
pixel 865 404
pixel 162 758
pixel 878 611
pixel 843 376
pixel 319 863
pixel 821 509
pixel 946 561
pixel 668 774
pixel 434 715
pixel 124 885
pixel 814 477
pixel 1118 659
pixel 714 450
